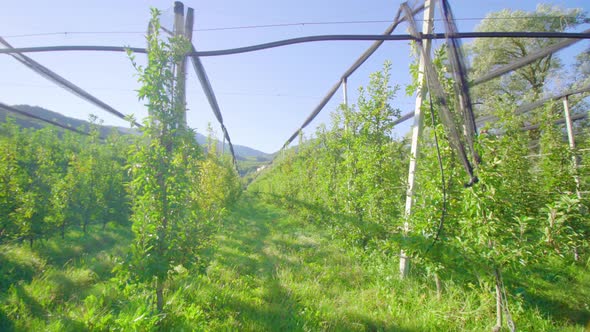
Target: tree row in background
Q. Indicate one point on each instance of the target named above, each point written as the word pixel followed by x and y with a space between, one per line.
pixel 52 181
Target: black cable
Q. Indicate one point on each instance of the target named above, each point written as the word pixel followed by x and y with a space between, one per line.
pixel 573 36
pixel 442 178
pixel 457 61
pixel 435 86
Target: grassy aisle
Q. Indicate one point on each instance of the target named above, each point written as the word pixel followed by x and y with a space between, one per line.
pixel 267 270
pixel 272 272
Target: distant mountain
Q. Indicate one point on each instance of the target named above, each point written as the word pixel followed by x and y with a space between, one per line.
pixel 242 152
pixel 41 112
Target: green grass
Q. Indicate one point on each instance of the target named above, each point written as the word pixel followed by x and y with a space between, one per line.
pixel 268 271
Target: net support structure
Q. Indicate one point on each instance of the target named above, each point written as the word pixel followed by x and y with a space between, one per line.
pixel 427 26
pixel 180 66
pixel 202 76
pixel 344 78
pixel 210 94
pixel 62 82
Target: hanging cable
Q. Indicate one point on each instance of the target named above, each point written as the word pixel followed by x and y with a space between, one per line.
pixel 572 38
pixel 442 176
pixel 460 83
pixel 435 87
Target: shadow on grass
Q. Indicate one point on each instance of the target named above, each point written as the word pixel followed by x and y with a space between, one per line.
pixel 12 270
pixel 256 244
pixel 557 291
pixel 20 298
pixel 6 323
pixel 354 228
pixel 241 248
pixel 59 251
pixel 56 270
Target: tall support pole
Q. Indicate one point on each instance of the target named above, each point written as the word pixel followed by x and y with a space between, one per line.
pixel 180 66
pixel 427 28
pixel 345 91
pixel 188 34
pixel 572 141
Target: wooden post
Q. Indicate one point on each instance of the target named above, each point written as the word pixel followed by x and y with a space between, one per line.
pixel 427 28
pixel 572 141
pixel 180 66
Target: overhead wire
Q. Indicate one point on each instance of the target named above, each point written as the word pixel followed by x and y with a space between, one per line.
pixel 572 36
pixel 378 38
pixel 272 25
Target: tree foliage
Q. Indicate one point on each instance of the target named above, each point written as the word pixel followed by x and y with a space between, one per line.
pixel 529 82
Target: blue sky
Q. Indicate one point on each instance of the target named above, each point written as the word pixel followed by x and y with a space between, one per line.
pixel 264 96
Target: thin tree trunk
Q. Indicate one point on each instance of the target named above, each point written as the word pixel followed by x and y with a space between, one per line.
pixel 438 286
pixel 159 295
pixel 498 301
pixel 63 230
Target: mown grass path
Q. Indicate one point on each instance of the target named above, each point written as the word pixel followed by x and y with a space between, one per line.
pixel 270 271
pixel 273 273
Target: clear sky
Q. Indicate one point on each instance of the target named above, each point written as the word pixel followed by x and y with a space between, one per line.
pixel 264 96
